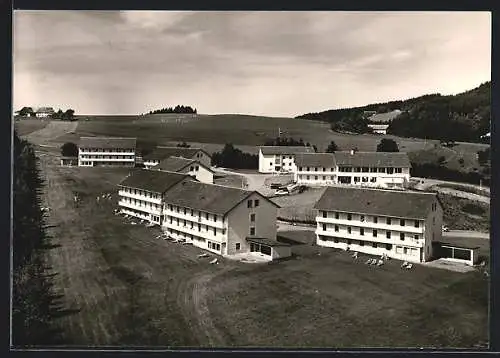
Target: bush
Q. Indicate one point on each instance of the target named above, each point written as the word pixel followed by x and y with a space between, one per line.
pixel 231 157
pixel 387 145
pixel 69 150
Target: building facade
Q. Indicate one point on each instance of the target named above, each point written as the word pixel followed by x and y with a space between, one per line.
pixel 141 193
pixel 190 167
pixel 161 153
pixel 280 159
pixel 366 169
pixel 379 128
pixel 222 220
pixel 402 225
pixel 44 112
pixel 106 151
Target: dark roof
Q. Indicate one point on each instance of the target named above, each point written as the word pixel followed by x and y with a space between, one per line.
pixel 107 142
pixel 325 160
pixel 384 117
pixel 152 180
pixel 373 159
pixel 176 164
pixel 285 149
pixel 166 152
pixel 404 204
pixel 266 241
pixel 211 198
pixel 458 246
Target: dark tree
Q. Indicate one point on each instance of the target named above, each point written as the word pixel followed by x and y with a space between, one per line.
pixel 69 115
pixel 387 145
pixel 69 150
pixel 183 145
pixel 231 157
pixel 26 111
pixel 332 147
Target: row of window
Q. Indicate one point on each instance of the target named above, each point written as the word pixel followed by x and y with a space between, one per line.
pixel 85 163
pixel 141 203
pixel 214 246
pixel 387 170
pixel 83 156
pixel 141 192
pixel 191 225
pixel 375 232
pixel 278 162
pixel 354 242
pixel 107 150
pixel 363 218
pixel 200 214
pixel 253 203
pixel 316 177
pixel 182 234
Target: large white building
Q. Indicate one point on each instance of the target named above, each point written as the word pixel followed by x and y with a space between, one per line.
pixel 158 154
pixel 141 193
pixel 403 225
pixel 223 220
pixel 106 151
pixel 187 166
pixel 369 169
pixel 279 159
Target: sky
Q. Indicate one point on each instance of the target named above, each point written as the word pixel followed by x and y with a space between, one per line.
pixel 261 63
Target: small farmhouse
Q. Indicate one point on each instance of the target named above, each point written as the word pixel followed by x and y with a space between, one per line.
pixel 187 166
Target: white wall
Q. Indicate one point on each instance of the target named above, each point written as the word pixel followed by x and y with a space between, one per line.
pixel 200 172
pixel 148 203
pixel 268 163
pixel 113 156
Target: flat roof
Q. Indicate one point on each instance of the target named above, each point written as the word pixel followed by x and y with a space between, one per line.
pixel 266 241
pixel 455 245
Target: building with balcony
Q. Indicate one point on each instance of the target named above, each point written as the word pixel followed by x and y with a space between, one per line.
pixel 190 167
pixel 106 151
pixel 280 159
pixel 401 224
pixel 141 193
pixel 160 153
pixel 315 169
pixel 223 220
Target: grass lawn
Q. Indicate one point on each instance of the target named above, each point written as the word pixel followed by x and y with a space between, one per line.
pixel 465 188
pixel 464 214
pixel 128 288
pixel 27 126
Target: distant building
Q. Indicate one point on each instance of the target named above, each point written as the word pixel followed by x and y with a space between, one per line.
pixel 370 169
pixel 106 151
pixel 402 225
pixel 223 220
pixel 187 166
pixel 379 128
pixel 69 161
pixel 279 159
pixel 141 193
pixel 161 153
pixel 44 112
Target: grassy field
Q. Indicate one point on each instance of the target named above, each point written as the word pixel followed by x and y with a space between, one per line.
pixel 467 189
pixel 464 214
pixel 128 288
pixel 27 126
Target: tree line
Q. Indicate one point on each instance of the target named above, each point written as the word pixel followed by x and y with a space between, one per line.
pixel 462 117
pixel 231 157
pixel 68 115
pixel 176 109
pixel 34 305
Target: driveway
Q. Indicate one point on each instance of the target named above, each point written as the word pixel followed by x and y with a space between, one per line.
pixel 254 181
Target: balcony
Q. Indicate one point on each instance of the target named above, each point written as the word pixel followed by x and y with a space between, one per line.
pixel 146 209
pixel 368 237
pixel 411 229
pixel 209 235
pixel 196 219
pixel 139 197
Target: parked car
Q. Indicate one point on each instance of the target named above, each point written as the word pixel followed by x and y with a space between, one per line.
pixel 281 192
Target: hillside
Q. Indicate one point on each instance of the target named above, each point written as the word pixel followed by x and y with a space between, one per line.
pixel 462 117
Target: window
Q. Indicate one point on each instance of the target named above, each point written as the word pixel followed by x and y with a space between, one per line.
pixel 349 216
pixel 324 214
pixel 223 231
pixel 374 244
pixel 381 170
pixel 361 231
pixel 405 250
pixel 335 240
pixel 300 169
pixel 375 219
pixel 402 222
pixel 356 179
pixel 307 169
pixel 362 218
pixel 373 180
pixel 416 237
pixel 206 216
pixel 324 227
pixel 316 169
pixel 215 217
pixel 215 231
pixel 199 227
pixel 324 169
pixel 374 233
pixel 337 215
pixel 238 246
pixel 206 227
pixel 178 209
pixel 252 231
pixel 399 170
pixel 249 203
pixel 388 246
pixel 336 228
pixel 308 177
pixel 252 217
pixel 388 234
pixel 348 229
pixel 390 170
pixel 256 202
pixel 349 242
pixel 388 221
pixel 402 236
pixel 315 177
pixel 365 169
pixel 184 211
pixel 361 243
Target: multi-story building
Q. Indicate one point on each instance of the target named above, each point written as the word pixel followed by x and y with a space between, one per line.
pixel 141 193
pixel 187 166
pixel 279 159
pixel 160 153
pixel 401 224
pixel 106 151
pixel 368 169
pixel 223 220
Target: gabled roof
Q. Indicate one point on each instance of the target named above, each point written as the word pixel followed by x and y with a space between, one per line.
pixel 384 117
pixel 45 110
pixel 373 159
pixel 107 142
pixel 325 160
pixel 160 153
pixel 404 204
pixel 285 150
pixel 153 180
pixel 216 199
pixel 176 164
